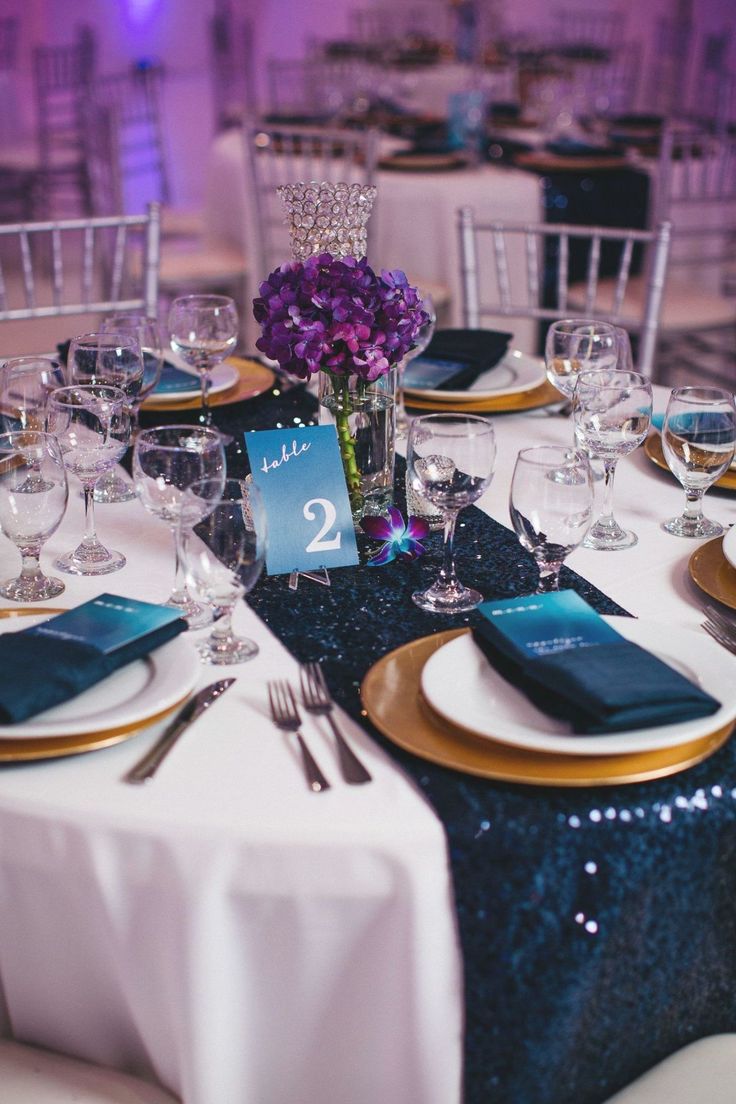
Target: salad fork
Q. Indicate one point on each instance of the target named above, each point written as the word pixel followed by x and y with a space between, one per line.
pixel 318 700
pixel 285 716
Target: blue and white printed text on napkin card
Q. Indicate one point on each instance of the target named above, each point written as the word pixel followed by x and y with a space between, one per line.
pixel 107 623
pixel 541 624
pixel 300 476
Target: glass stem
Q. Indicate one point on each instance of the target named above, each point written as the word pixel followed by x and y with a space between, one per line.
pixel 606 518
pixel 222 632
pixel 205 414
pixel 693 505
pixel 447 577
pixel 89 540
pixel 549 577
pixel 30 566
pixel 180 583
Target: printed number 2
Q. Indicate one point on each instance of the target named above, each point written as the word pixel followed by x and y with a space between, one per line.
pixel 317 544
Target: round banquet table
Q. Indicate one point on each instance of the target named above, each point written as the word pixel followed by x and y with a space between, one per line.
pixel 238 938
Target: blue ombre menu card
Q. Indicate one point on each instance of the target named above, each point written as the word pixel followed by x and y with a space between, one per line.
pixel 108 623
pixel 300 476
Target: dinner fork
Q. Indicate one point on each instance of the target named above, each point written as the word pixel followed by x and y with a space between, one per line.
pixel 286 717
pixel 721 620
pixel 713 630
pixel 318 700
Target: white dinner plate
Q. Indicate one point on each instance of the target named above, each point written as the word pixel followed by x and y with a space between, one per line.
pixel 729 545
pixel 127 697
pixel 460 684
pixel 515 372
pixel 222 377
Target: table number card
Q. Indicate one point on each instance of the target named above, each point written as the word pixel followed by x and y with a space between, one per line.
pixel 300 476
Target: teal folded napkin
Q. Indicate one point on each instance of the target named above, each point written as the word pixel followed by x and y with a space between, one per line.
pixel 573 665
pixel 174 380
pixel 52 662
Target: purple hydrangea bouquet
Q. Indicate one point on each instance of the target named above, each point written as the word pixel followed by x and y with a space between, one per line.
pixel 337 317
pixel 328 314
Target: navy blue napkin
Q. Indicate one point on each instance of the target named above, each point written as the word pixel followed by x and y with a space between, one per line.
pixel 38 671
pixel 467 353
pixel 603 688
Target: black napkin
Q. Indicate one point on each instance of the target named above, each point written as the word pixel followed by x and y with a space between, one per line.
pixel 37 672
pixel 474 351
pixel 607 687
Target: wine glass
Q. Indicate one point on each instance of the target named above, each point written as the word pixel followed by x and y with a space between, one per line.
pixel 222 561
pixel 33 497
pixel 573 345
pixel 698 438
pixel 203 331
pixel 112 358
pixel 450 458
pixel 166 461
pixel 551 506
pixel 93 427
pixel 148 333
pixel 421 341
pixel 25 385
pixel 612 409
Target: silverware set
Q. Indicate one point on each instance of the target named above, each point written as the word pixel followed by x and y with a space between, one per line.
pixel 720 627
pixel 316 699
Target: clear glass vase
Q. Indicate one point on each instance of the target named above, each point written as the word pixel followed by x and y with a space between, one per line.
pixel 364 415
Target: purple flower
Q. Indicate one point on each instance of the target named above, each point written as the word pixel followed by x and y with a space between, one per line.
pixel 401 541
pixel 337 315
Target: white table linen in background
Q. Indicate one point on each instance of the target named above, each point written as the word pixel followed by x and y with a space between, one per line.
pixel 225 930
pixel 414 225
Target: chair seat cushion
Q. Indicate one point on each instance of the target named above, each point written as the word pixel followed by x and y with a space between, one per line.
pixel 703 1071
pixel 183 263
pixel 684 307
pixel 29 1075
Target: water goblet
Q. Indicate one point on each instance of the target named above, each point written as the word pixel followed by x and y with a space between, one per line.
pixel 223 559
pixel 167 460
pixel 33 497
pixel 203 331
pixel 450 458
pixel 25 385
pixel 93 427
pixel 698 438
pixel 612 410
pixel 551 506
pixel 421 342
pixel 113 358
pixel 573 345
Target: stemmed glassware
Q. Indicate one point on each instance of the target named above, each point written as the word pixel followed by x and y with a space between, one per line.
pixel 115 359
pixel 422 340
pixel 573 345
pixel 33 497
pixel 203 331
pixel 93 427
pixel 167 460
pixel 450 459
pixel 25 385
pixel 148 334
pixel 612 409
pixel 698 439
pixel 551 506
pixel 223 559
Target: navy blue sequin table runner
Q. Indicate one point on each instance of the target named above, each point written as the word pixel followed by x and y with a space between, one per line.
pixel 598 926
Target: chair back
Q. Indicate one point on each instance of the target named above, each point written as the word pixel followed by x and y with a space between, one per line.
pixel 80 266
pixel 133 101
pixel 547 271
pixel 277 155
pixel 232 67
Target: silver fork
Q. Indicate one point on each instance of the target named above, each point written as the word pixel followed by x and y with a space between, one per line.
pixel 726 640
pixel 318 700
pixel 721 620
pixel 286 717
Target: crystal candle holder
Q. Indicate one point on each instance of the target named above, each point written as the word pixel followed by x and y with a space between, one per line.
pixel 327 218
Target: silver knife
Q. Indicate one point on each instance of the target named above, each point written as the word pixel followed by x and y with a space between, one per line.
pixel 194 708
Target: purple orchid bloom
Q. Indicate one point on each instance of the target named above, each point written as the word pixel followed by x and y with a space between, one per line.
pixel 402 541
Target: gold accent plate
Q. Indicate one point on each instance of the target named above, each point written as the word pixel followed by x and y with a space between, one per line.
pixel 653 449
pixel 393 701
pixel 16 751
pixel 253 379
pixel 541 161
pixel 710 570
pixel 543 394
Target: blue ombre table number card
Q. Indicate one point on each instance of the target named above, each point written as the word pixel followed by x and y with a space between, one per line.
pixel 300 476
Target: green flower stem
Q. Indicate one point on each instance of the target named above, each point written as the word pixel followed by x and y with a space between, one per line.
pixel 343 410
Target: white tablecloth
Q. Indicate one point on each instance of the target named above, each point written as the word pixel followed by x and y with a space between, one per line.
pixel 225 930
pixel 414 225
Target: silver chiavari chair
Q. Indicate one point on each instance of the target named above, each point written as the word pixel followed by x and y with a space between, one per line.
pixel 528 270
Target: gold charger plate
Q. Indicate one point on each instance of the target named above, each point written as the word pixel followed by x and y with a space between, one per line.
pixel 710 570
pixel 253 379
pixel 16 751
pixel 653 449
pixel 555 162
pixel 393 701
pixel 423 162
pixel 543 394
